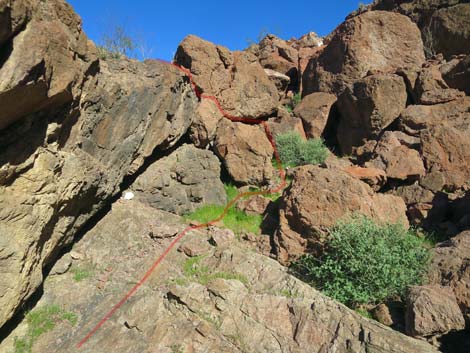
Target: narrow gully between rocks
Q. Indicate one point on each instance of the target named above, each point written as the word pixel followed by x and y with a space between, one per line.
pixel 179 236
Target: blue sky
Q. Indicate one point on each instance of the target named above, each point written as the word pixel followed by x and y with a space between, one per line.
pixel 162 25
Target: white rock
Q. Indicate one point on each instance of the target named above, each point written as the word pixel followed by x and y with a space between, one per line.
pixel 128 195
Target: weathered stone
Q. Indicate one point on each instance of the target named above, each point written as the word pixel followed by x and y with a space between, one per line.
pixel 317 199
pixel 238 289
pixel 374 41
pixel 280 80
pixel 60 167
pixel 443 130
pixel 246 152
pixel 373 104
pixel 456 73
pixel 204 125
pixel 432 310
pixel 451 267
pixel 285 123
pixel 236 79
pixel 254 205
pixel 179 182
pixel 374 177
pixel 314 110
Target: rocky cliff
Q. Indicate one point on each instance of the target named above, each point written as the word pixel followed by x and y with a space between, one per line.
pixel 99 158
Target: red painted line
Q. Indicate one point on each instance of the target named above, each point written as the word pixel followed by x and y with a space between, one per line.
pixel 179 236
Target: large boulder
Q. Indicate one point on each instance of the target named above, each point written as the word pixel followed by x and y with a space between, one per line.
pixel 368 108
pixel 443 130
pixel 45 54
pixel 61 166
pixel 456 73
pixel 317 199
pixel 231 299
pixel 432 310
pixel 375 41
pixel 179 182
pixel 236 79
pixel 314 110
pixel 246 152
pixel 451 267
pixel 444 24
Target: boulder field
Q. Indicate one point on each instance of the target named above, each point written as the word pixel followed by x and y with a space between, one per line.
pixel 388 92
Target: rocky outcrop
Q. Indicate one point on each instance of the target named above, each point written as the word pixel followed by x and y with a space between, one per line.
pixel 314 110
pixel 246 152
pixel 443 130
pixel 444 24
pixel 61 164
pixel 317 199
pixel 236 78
pixel 432 310
pixel 229 300
pixel 44 57
pixel 451 268
pixel 368 108
pixel 375 41
pixel 204 125
pixel 456 73
pixel 179 182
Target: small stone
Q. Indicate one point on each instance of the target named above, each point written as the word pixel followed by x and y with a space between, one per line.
pixel 128 195
pixel 75 255
pixel 194 248
pixel 62 265
pixel 221 237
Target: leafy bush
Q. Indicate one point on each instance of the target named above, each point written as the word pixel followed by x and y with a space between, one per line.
pixel 366 263
pixel 295 151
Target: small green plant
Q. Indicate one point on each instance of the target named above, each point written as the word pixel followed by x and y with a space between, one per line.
pixel 177 348
pixel 364 313
pixel 81 273
pixel 365 262
pixel 194 269
pixel 294 101
pixel 41 321
pixel 294 151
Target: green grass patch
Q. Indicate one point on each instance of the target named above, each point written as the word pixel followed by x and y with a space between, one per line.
pixel 364 313
pixel 80 273
pixel 294 151
pixel 195 270
pixel 366 263
pixel 41 321
pixel 236 220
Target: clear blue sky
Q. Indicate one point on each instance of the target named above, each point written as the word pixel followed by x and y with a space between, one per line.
pixel 162 25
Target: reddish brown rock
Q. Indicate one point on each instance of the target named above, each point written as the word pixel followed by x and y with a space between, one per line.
pixel 48 58
pixel 280 80
pixel 374 177
pixel 204 125
pixel 373 41
pixel 432 310
pixel 456 73
pixel 236 79
pixel 314 111
pixel 443 130
pixel 373 104
pixel 246 152
pixel 285 123
pixel 254 205
pixel 317 199
pixel 451 267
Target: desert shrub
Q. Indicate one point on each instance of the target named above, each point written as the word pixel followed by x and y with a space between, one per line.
pixel 295 151
pixel 366 262
pixel 116 44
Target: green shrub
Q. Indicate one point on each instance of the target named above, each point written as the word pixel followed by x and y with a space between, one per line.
pixel 295 151
pixel 366 263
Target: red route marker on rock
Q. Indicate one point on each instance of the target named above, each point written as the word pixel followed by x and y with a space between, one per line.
pixel 179 236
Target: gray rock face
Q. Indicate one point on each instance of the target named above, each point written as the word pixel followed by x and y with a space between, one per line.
pixel 231 300
pixel 182 182
pixel 60 165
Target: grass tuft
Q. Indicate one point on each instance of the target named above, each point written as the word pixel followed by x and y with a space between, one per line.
pixel 294 151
